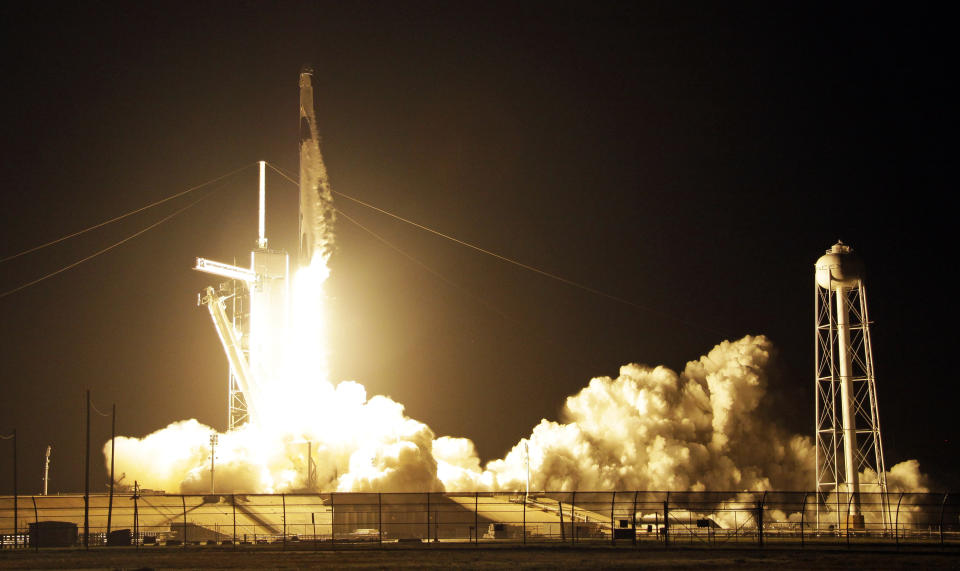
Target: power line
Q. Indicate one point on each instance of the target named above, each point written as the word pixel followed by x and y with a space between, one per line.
pixel 122 216
pixel 107 249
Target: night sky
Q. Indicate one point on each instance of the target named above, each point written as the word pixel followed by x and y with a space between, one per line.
pixel 696 162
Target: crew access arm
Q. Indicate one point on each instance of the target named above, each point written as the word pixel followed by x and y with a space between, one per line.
pixel 231 345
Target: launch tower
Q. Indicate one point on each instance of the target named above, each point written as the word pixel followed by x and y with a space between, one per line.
pixel 252 327
pixel 847 423
pixel 251 312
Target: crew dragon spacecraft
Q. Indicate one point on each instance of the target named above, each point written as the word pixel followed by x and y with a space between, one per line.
pixel 251 312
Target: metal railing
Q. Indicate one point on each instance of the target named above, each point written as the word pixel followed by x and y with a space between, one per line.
pixel 627 518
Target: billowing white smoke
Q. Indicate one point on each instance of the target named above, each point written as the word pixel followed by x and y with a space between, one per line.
pixel 648 429
pixel 654 429
pixel 354 443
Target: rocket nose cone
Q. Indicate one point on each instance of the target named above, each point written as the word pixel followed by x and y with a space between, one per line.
pixel 306 69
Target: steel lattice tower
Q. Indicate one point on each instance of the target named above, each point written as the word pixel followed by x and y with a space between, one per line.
pixel 240 319
pixel 847 422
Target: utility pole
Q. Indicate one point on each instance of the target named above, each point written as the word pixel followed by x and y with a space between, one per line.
pixel 526 496
pixel 213 445
pixel 113 440
pixel 13 437
pixel 86 483
pixel 15 493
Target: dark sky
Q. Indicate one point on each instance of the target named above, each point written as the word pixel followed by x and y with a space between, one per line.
pixel 694 161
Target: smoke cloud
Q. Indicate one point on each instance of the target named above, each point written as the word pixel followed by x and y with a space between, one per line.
pixel 650 428
pixel 654 429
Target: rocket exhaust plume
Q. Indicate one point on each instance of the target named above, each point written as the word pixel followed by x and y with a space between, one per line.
pixel 650 428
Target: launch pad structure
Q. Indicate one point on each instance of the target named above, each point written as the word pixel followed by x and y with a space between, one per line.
pixel 251 312
pixel 259 299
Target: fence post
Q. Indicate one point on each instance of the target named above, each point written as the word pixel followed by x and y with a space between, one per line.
pixel 563 532
pixel 763 498
pixel 573 518
pixel 428 517
pixel 846 519
pixel 525 519
pixel 183 502
pixel 896 522
pixel 36 524
pixel 86 483
pixel 283 501
pixel 136 515
pixel 380 515
pixel 942 505
pixel 16 492
pixel 886 512
pixel 803 513
pixel 333 519
pixel 839 510
pixel 666 521
pixel 476 517
pixel 113 441
pixel 613 529
pixel 233 502
pixel 633 516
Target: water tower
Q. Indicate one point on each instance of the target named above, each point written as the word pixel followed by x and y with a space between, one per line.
pixel 847 423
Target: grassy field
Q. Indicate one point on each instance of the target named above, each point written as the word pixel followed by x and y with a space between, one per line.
pixel 512 557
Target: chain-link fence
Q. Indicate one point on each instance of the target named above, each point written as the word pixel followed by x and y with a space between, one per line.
pixel 322 520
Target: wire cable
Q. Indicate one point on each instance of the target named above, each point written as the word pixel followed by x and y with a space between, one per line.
pixel 478 248
pixel 97 409
pixel 508 260
pixel 424 266
pixel 107 249
pixel 122 216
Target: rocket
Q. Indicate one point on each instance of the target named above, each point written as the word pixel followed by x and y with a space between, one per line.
pixel 316 198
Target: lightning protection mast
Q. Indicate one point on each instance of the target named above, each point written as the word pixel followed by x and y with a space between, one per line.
pixel 252 330
pixel 847 423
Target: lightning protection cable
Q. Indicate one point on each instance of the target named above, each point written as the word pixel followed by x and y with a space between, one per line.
pixel 517 263
pixel 122 216
pixel 107 249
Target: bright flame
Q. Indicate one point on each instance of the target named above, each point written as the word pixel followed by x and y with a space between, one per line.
pixel 296 391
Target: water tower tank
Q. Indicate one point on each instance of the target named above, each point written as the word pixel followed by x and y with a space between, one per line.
pixel 839 268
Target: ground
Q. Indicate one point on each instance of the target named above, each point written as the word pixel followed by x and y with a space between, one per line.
pixel 560 557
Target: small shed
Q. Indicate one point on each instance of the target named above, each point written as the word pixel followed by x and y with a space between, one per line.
pixel 53 534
